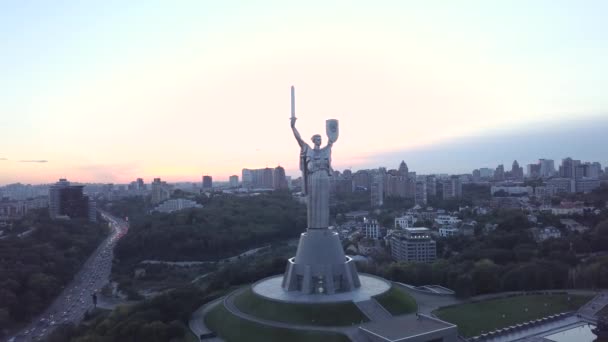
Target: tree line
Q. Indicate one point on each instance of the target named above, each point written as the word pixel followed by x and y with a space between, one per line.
pixel 508 259
pixel 226 226
pixel 34 268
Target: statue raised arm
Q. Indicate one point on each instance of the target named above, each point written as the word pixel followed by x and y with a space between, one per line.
pixel 296 134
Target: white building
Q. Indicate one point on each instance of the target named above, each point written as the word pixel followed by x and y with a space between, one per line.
pixel 587 185
pixel 542 234
pixel 448 231
pixel 547 167
pixel 371 229
pixel 405 221
pixel 513 190
pixel 172 205
pixel 560 185
pixel 564 210
pixel 447 220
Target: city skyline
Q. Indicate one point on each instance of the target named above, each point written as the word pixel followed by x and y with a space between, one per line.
pixel 112 92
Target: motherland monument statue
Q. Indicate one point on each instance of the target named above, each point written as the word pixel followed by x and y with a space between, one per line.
pixel 320 265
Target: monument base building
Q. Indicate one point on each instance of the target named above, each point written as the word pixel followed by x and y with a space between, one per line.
pixel 320 265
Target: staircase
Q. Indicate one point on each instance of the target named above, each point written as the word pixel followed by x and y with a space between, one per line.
pixel 373 310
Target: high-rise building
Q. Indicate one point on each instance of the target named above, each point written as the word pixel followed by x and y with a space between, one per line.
pixel 533 170
pixel 476 175
pixel 377 191
pixel 547 168
pixel 568 168
pixel 207 182
pixel 431 186
pixel 66 200
pixel 594 170
pixel 399 183
pixel 413 244
pixel 278 178
pixel 266 180
pixel 403 169
pixel 341 185
pixel 247 178
pixel 420 197
pixel 452 188
pixel 234 181
pixel 499 174
pixel 517 172
pixel 258 178
pixel 160 191
pixel 362 179
pixel 587 170
pixel 580 171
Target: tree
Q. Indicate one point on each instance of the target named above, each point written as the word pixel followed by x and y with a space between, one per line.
pixel 485 277
pixel 463 286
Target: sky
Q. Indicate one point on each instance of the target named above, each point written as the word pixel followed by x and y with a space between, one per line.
pixel 108 91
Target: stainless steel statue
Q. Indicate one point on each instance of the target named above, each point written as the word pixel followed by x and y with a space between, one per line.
pixel 319 266
pixel 315 164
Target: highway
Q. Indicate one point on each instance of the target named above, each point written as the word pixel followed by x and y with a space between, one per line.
pixel 76 298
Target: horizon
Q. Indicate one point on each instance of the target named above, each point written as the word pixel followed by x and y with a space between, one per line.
pixel 430 149
pixel 114 92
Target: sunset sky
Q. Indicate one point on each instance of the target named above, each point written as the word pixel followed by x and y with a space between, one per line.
pixel 108 91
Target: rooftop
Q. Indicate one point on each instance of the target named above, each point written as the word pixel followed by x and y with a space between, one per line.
pixel 417 229
pixel 401 328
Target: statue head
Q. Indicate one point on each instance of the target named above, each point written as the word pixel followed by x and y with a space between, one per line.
pixel 316 139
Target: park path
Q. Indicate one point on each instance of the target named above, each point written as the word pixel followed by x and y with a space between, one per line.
pixel 197 322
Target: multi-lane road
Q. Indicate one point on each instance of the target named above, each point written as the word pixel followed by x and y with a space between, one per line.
pixel 77 297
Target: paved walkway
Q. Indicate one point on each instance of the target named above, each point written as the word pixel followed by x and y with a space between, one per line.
pixel 427 303
pixel 272 288
pixel 535 331
pixel 373 310
pixel 197 321
pixel 591 309
pixel 351 331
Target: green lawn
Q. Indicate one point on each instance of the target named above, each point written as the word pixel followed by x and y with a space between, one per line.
pixel 397 301
pixel 332 314
pixel 234 329
pixel 474 318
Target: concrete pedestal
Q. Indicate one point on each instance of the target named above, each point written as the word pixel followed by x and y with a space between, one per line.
pixel 320 266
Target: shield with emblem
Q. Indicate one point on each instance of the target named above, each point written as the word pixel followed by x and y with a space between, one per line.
pixel 331 128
